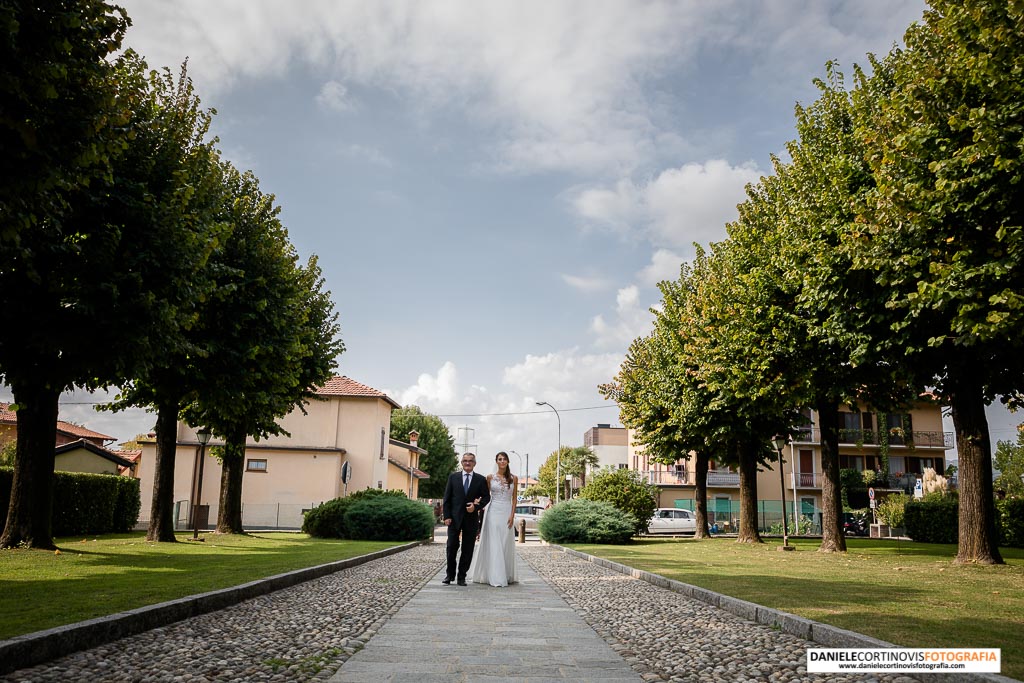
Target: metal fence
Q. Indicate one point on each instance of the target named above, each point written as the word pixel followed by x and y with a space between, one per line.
pixel 284 516
pixel 726 515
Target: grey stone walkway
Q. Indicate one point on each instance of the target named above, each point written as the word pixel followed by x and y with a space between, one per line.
pixel 524 632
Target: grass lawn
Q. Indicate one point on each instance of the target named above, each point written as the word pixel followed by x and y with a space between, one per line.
pixel 906 593
pixel 95 576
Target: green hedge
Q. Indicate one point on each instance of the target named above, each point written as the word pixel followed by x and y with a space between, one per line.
pixel 586 521
pixel 86 503
pixel 389 519
pixel 932 521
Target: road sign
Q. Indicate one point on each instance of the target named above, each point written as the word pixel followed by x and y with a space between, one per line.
pixel 871 495
pixel 872 501
pixel 918 489
pixel 346 472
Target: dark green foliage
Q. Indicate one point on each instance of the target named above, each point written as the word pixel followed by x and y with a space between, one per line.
pixel 87 503
pixel 389 518
pixel 1010 522
pixel 586 521
pixel 627 491
pixel 932 521
pixel 855 492
pixel 435 439
pixel 328 520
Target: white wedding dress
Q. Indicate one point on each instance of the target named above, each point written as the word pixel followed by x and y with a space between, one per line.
pixel 494 561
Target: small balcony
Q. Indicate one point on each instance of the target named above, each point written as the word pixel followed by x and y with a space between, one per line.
pixel 716 479
pixel 806 480
pixel 871 437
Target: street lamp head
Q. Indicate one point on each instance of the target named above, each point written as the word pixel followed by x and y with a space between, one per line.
pixel 779 441
pixel 541 403
pixel 204 435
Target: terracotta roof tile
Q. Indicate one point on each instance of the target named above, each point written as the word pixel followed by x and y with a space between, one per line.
pixel 340 385
pixel 9 416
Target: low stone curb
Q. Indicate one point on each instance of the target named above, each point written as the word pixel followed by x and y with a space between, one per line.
pixel 823 634
pixel 42 646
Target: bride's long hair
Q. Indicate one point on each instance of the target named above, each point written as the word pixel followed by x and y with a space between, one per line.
pixel 508 470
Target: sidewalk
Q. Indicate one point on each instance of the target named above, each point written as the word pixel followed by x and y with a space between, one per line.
pixel 482 633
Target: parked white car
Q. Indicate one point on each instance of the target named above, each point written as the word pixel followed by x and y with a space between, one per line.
pixel 531 512
pixel 673 521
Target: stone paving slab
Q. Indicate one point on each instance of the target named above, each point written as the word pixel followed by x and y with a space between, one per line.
pixel 522 633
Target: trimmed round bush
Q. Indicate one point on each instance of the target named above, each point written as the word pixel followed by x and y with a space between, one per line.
pixel 327 520
pixel 586 521
pixel 389 519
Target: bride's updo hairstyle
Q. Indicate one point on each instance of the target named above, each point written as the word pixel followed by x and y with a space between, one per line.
pixel 508 470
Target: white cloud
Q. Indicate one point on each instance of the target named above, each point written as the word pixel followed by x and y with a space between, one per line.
pixel 630 321
pixel 664 265
pixel 510 418
pixel 681 206
pixel 334 96
pixel 556 85
pixel 586 284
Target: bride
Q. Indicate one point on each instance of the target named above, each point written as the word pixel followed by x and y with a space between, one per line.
pixel 495 559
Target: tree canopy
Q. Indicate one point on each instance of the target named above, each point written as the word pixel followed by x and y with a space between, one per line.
pixel 434 437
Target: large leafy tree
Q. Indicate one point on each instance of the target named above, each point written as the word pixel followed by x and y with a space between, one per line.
pixel 943 236
pixel 434 437
pixel 187 187
pixel 801 320
pixel 60 121
pixel 268 345
pixel 115 256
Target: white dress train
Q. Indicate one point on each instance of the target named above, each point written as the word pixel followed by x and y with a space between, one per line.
pixel 494 561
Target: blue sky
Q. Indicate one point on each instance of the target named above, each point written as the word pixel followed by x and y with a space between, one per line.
pixel 494 188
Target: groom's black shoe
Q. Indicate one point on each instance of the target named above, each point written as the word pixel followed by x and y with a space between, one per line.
pixel 447 580
pixel 462 582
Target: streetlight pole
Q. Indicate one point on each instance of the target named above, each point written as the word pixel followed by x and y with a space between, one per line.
pixel 558 453
pixel 778 441
pixel 204 438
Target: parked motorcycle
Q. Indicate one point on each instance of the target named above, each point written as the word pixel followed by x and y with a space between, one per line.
pixel 854 525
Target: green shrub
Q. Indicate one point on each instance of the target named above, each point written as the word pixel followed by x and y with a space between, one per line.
pixel 586 521
pixel 388 518
pixel 328 519
pixel 1010 522
pixel 85 503
pixel 626 490
pixel 891 510
pixel 932 520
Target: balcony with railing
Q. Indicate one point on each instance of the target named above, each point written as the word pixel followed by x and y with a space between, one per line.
pixel 718 479
pixel 806 480
pixel 871 437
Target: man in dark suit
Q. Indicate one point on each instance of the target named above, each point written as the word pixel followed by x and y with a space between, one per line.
pixel 464 497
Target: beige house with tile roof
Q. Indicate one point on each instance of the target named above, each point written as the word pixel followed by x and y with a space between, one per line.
pixel 85 456
pixel 349 423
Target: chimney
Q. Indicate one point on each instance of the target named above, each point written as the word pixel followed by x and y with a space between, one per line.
pixel 414 436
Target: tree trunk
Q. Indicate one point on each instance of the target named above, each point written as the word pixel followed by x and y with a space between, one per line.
pixel 229 517
pixel 747 532
pixel 31 506
pixel 161 511
pixel 977 522
pixel 700 495
pixel 833 540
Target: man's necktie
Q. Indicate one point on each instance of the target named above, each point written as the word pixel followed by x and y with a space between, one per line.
pixel 465 483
